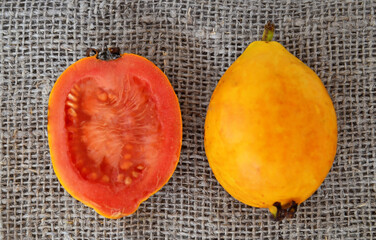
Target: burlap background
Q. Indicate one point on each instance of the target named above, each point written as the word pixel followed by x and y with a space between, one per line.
pixel 193 42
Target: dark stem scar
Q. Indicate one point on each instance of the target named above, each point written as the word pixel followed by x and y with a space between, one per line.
pixel 108 54
pixel 286 211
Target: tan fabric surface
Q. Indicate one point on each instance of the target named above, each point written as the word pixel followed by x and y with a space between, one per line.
pixel 193 42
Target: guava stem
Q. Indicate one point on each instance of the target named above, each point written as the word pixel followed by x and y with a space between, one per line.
pixel 89 52
pixel 267 36
pixel 280 212
pixel 273 210
pixel 108 54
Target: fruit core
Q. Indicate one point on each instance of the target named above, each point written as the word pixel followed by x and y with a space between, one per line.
pixel 113 131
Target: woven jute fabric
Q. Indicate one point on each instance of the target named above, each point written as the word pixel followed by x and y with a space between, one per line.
pixel 193 42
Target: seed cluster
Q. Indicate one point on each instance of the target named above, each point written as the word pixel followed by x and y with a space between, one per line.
pixel 107 142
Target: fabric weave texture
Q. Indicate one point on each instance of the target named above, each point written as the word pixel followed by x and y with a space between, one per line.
pixel 193 42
